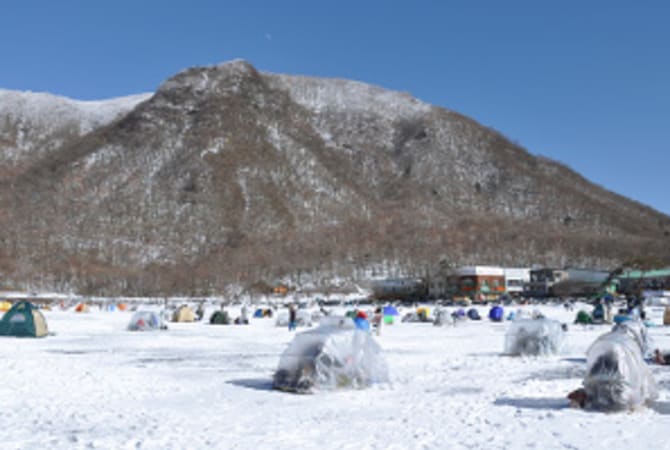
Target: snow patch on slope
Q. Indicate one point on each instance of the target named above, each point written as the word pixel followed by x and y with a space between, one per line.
pixel 37 108
pixel 321 94
pixel 32 124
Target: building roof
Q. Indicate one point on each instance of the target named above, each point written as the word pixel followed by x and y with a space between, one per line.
pixel 656 273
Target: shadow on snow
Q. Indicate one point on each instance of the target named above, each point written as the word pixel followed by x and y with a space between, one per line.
pixel 533 403
pixel 259 384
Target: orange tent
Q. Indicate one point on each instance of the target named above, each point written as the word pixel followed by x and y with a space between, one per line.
pixel 122 306
pixel 81 308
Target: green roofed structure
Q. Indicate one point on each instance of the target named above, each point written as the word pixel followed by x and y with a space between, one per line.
pixel 634 281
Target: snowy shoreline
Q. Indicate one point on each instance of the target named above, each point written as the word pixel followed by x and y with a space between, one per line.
pixel 95 385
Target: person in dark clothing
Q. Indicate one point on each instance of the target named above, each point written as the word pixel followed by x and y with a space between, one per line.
pixel 292 318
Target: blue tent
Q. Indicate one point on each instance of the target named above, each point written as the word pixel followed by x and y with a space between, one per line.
pixel 496 313
pixel 258 313
pixel 473 314
pixel 390 311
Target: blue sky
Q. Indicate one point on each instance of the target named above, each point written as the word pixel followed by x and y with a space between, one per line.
pixel 585 83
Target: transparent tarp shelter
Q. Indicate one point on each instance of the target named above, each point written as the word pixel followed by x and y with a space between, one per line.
pixel 333 355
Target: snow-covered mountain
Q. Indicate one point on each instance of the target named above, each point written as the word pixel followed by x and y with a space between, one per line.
pixel 32 124
pixel 228 174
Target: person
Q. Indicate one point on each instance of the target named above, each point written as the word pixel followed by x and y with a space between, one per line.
pixel 377 321
pixel 292 318
pixel 200 311
pixel 244 314
pixel 598 313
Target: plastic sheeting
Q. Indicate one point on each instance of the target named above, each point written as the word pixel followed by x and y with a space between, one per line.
pixel 146 321
pixel 534 337
pixel 617 377
pixel 442 317
pixel 330 357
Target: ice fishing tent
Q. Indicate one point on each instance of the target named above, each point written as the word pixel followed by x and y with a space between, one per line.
pixel 5 306
pixel 219 318
pixel 421 314
pixel 183 314
pixel 617 377
pixel 261 313
pixel 473 314
pixel 442 317
pixel 23 320
pixel 666 316
pixel 459 315
pixel 333 355
pixel 146 321
pixel 82 308
pixel 496 313
pixel 583 317
pixel 534 337
pixel 389 313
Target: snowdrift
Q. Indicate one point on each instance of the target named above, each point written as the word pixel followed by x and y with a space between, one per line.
pixel 534 337
pixel 617 377
pixel 334 355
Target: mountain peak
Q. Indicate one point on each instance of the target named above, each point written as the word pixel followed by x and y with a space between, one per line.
pixel 231 175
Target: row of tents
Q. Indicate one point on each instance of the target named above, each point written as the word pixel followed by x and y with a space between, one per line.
pixel 339 354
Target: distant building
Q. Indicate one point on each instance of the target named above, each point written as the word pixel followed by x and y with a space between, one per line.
pixel 551 282
pixel 399 289
pixel 632 282
pixel 480 283
pixel 515 279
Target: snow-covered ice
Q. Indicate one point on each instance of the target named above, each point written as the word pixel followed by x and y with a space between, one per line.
pixel 95 385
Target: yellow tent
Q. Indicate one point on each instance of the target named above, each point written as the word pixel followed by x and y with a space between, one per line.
pixel 5 306
pixel 183 314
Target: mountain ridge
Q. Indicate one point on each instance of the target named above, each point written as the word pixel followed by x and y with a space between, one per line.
pixel 230 175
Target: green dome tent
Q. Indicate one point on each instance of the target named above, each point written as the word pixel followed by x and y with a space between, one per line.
pixel 220 318
pixel 23 320
pixel 583 317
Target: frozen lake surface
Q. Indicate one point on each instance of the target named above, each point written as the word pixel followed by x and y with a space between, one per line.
pixel 95 385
